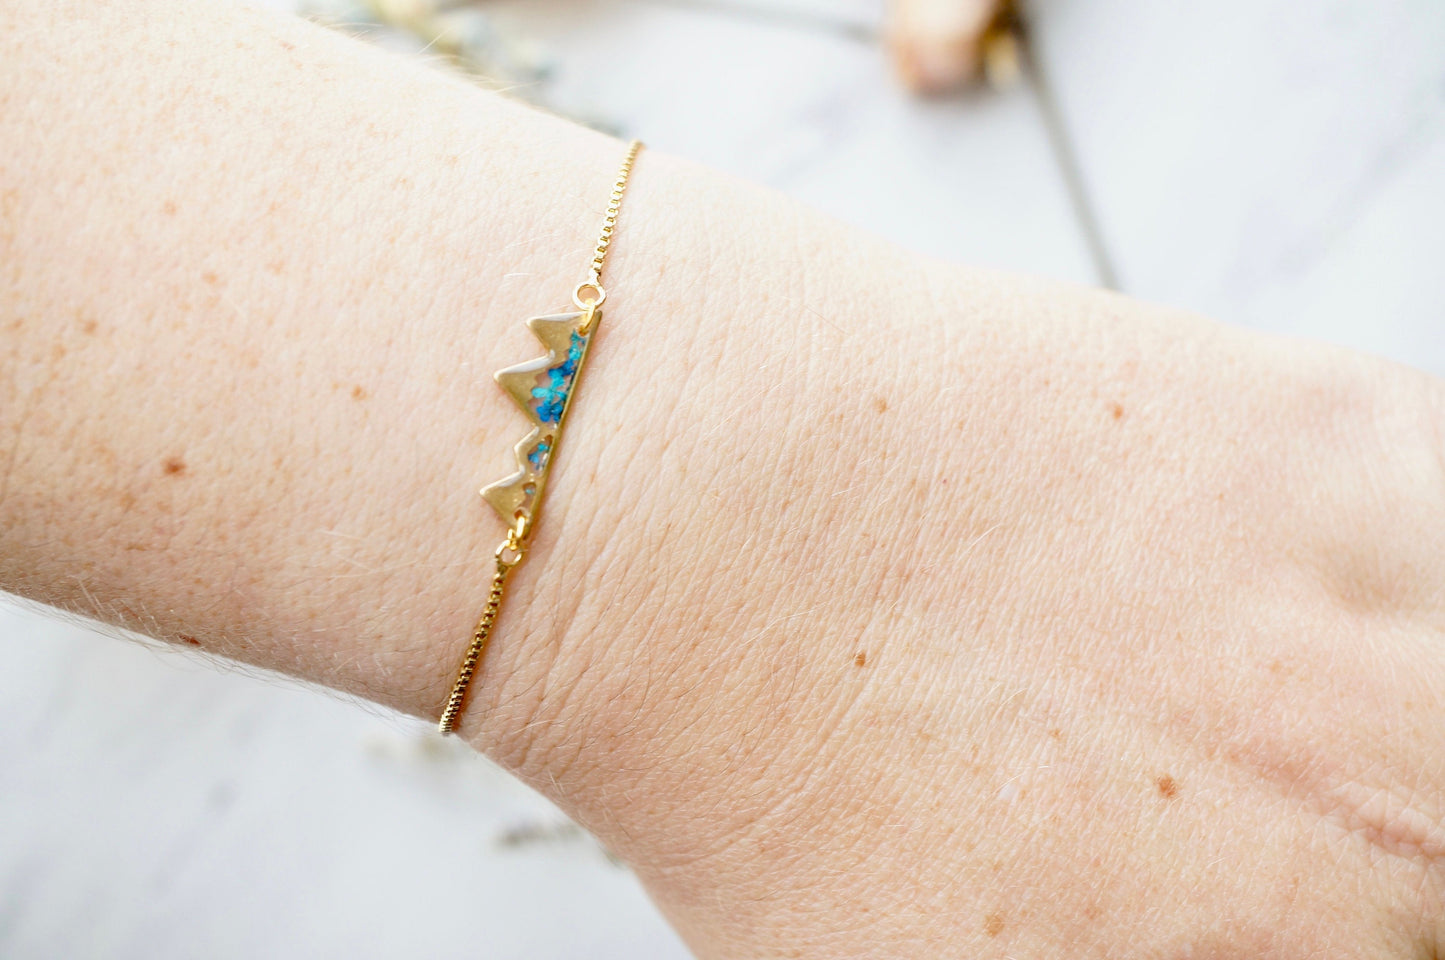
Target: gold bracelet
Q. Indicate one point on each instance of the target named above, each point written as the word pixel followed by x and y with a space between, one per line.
pixel 543 388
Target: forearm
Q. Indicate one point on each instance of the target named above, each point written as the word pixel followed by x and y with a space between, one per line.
pixel 258 279
pixel 836 538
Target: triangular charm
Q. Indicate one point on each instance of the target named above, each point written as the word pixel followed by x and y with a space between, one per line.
pixel 543 389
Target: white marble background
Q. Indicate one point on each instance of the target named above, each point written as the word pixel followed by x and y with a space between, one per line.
pixel 1274 163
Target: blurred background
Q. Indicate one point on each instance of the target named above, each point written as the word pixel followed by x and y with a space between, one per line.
pixel 1278 164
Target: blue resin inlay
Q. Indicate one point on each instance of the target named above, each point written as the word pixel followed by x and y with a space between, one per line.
pixel 553 395
pixel 538 456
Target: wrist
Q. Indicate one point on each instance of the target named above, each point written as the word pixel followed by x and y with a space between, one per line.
pixel 626 510
pixel 707 483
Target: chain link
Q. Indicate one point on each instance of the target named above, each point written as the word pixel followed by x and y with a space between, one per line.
pixel 453 711
pixel 614 204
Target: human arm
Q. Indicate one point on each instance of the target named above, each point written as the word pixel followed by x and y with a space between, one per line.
pixel 794 445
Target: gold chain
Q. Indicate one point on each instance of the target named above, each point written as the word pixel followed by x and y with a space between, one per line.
pixel 453 710
pixel 512 550
pixel 604 240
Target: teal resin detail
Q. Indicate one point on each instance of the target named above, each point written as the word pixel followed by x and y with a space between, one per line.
pixel 553 395
pixel 544 389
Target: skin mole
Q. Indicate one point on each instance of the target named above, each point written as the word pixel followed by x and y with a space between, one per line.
pixel 174 467
pixel 1168 787
pixel 358 392
pixel 187 638
pixel 860 659
pixel 880 404
pixel 993 924
pixel 1117 410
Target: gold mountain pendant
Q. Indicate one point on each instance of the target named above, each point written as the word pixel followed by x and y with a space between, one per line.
pixel 543 388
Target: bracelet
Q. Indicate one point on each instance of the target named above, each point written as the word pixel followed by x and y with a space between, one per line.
pixel 543 388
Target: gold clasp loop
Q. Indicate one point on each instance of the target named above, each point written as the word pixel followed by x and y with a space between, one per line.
pixel 509 554
pixel 514 548
pixel 591 303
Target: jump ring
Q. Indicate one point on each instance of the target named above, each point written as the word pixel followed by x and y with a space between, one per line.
pixel 594 302
pixel 509 554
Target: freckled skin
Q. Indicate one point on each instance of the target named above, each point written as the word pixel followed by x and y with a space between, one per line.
pixel 1244 589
